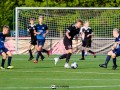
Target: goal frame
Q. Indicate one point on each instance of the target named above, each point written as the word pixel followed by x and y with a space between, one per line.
pixel 55 8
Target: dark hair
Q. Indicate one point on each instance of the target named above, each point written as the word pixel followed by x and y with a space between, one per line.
pixel 79 20
pixel 6 26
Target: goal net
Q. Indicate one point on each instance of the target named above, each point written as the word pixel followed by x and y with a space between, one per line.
pixel 102 21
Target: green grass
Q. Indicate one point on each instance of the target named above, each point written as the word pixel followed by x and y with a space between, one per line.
pixel 88 76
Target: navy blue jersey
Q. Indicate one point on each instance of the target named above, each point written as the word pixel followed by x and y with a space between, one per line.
pixel 2 40
pixel 72 31
pixel 42 29
pixel 118 40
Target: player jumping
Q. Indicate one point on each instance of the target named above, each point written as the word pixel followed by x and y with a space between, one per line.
pixel 86 34
pixel 33 41
pixel 41 32
pixel 3 50
pixel 70 33
pixel 115 50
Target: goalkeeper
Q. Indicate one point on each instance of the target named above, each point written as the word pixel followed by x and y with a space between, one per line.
pixel 115 50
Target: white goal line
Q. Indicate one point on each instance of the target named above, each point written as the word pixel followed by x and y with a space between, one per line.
pixel 102 86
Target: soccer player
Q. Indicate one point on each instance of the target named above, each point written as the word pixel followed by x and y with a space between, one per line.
pixel 41 32
pixel 86 34
pixel 3 50
pixel 72 31
pixel 114 52
pixel 33 41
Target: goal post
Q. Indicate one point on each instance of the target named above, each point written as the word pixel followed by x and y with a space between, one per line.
pixel 102 21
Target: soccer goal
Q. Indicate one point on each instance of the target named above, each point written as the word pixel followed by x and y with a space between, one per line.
pixel 102 21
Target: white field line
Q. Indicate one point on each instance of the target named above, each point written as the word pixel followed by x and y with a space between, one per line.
pixel 67 79
pixel 59 72
pixel 42 87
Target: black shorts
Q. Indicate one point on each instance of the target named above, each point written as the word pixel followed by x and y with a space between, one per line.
pixel 86 43
pixel 67 44
pixel 33 42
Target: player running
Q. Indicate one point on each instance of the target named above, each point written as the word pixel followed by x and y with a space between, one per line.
pixel 41 32
pixel 33 41
pixel 115 50
pixel 3 50
pixel 70 33
pixel 86 34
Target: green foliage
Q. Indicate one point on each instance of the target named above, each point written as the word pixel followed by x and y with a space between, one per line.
pixel 7 7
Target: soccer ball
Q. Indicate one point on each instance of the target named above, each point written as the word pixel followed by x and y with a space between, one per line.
pixel 53 86
pixel 74 65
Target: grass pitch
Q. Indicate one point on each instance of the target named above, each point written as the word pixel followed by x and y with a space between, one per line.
pixel 88 76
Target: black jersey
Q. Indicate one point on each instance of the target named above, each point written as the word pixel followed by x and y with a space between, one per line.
pixel 31 29
pixel 85 32
pixel 72 32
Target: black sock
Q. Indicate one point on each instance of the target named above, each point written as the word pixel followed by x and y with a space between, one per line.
pixel 107 59
pixel 44 50
pixel 9 61
pixel 114 61
pixel 30 52
pixel 41 54
pixel 68 57
pixel 91 52
pixel 83 52
pixel 38 54
pixel 63 56
pixel 3 62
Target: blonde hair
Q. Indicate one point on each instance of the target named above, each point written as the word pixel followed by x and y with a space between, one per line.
pixel 116 29
pixel 41 16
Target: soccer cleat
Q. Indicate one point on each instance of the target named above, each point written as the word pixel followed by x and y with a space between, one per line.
pixel 94 55
pixel 2 68
pixel 67 65
pixel 114 67
pixel 48 54
pixel 56 60
pixel 10 67
pixel 82 59
pixel 103 65
pixel 30 58
pixel 35 61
